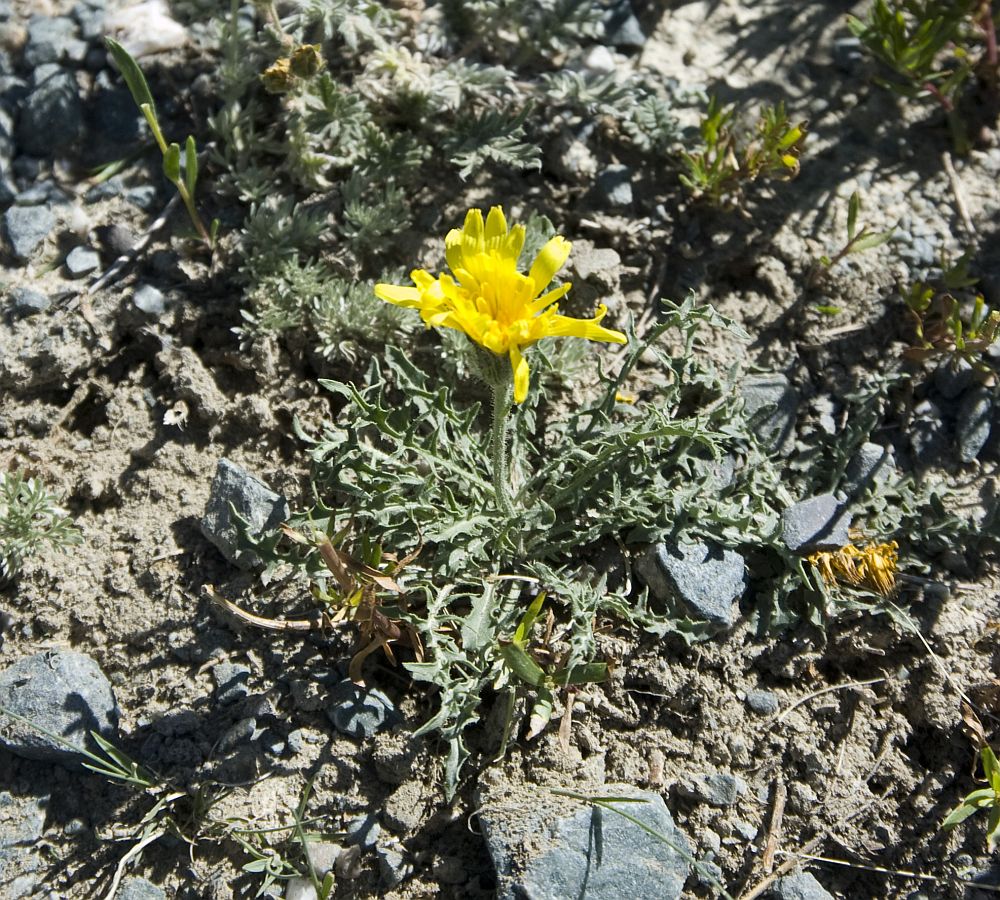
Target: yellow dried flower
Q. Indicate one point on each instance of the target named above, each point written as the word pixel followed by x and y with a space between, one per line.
pixel 306 60
pixel 278 77
pixel 486 296
pixel 872 567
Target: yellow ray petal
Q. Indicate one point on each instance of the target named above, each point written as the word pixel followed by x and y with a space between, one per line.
pixel 496 227
pixel 550 260
pixel 564 326
pixel 399 295
pixel 521 374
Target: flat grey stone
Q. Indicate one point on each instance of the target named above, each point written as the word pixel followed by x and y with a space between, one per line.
pixel 299 888
pixel 81 260
pixel 22 820
pixel 230 682
pixel 930 440
pixel 26 301
pixel 975 419
pixel 614 185
pixel 149 300
pixel 764 703
pixel 53 39
pixel 716 789
pixel 799 886
pixel 52 114
pixel 63 692
pixel 360 712
pixel 263 510
pixel 363 831
pixel 580 851
pixel 818 523
pixel 140 889
pixel 706 579
pixel 393 869
pixel 872 464
pixel 622 28
pixel 27 227
pixel 771 405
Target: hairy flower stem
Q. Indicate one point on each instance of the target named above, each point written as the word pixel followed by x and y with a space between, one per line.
pixel 499 446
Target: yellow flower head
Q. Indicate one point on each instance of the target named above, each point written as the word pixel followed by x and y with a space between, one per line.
pixel 872 567
pixel 486 296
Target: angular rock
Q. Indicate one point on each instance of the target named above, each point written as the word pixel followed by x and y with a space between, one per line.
pixel 870 465
pixel 953 376
pixel 140 889
pixel 53 39
pixel 817 523
pixel 614 185
pixel 363 831
pixel 579 851
pixel 716 789
pixel 706 579
pixel 393 869
pixel 358 712
pixel 299 888
pixel 974 422
pixel 930 440
pixel 62 692
pixel 798 886
pixel 770 405
pixel 22 820
pixel 52 114
pixel 622 28
pixel 81 260
pixel 25 301
pixel 263 510
pixel 149 300
pixel 230 682
pixel 27 227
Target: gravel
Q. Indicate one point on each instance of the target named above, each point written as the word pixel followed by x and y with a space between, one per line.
pixel 63 692
pixel 53 39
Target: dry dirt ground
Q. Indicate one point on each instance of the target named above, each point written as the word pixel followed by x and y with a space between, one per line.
pixel 865 749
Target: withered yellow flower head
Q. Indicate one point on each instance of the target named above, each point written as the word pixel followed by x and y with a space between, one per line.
pixel 486 296
pixel 872 567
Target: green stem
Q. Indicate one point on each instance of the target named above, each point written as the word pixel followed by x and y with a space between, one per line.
pixel 499 448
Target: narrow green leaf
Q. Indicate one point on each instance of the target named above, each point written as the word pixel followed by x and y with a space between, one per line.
pixel 958 815
pixel 871 241
pixel 588 673
pixel 132 74
pixel 991 767
pixel 190 165
pixel 853 205
pixel 993 828
pixel 527 622
pixel 521 664
pixel 172 163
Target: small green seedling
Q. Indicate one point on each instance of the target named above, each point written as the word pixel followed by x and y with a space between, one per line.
pixel 727 162
pixel 931 48
pixel 983 798
pixel 524 667
pixel 858 241
pixel 183 176
pixel 941 330
pixel 30 518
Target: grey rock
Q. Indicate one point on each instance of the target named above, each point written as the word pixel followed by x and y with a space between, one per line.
pixel 323 856
pixel 112 117
pixel 614 186
pixel 144 196
pixel 972 428
pixel 706 579
pixel 571 158
pixel 81 260
pixel 817 523
pixel 149 300
pixel 240 732
pixel 930 440
pixel 263 509
pixel 393 869
pixel 622 28
pixel 585 851
pixel 52 114
pixel 716 789
pixel 299 888
pixel 53 39
pixel 27 227
pixel 799 886
pixel 22 820
pixel 600 264
pixel 746 830
pixel 847 53
pixel 953 376
pixel 359 712
pixel 872 464
pixel 140 889
pixel 63 692
pixel 764 703
pixel 363 831
pixel 90 20
pixel 27 301
pixel 230 682
pixel 709 873
pixel 771 405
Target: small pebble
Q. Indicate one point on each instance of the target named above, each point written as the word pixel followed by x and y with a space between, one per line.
pixel 358 712
pixel 81 260
pixel 149 300
pixel 764 703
